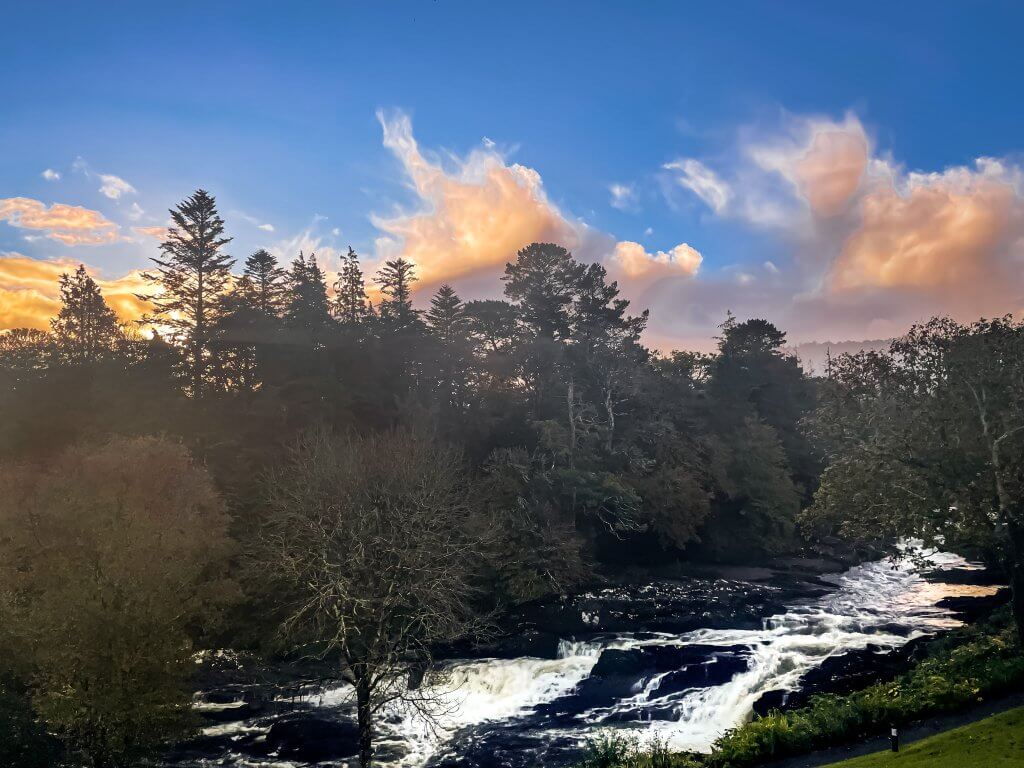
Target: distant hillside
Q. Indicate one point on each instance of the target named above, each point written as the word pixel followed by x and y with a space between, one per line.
pixel 813 354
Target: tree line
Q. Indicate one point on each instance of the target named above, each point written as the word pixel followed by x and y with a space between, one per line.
pixel 288 467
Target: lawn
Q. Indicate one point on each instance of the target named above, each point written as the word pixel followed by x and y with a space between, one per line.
pixel 996 742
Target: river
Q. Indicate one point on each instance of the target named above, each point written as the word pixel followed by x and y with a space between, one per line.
pixel 683 689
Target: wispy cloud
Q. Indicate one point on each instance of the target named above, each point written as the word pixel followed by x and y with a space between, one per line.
pixel 258 223
pixel 50 175
pixel 156 233
pixel 114 187
pixel 623 196
pixel 702 181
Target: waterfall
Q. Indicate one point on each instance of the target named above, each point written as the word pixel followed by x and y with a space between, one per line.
pixel 691 687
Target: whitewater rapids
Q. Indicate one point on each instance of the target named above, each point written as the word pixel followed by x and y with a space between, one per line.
pixel 683 690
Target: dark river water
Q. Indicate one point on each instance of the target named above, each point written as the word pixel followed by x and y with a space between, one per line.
pixel 665 679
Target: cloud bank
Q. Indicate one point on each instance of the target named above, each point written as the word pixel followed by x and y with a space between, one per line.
pixel 29 293
pixel 875 247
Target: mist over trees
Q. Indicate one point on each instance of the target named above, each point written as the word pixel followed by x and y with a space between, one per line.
pixel 403 467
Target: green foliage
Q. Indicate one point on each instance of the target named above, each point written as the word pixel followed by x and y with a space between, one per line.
pixel 536 549
pixel 618 750
pixel 927 440
pixel 112 562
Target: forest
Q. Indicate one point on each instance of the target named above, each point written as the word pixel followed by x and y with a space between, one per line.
pixel 352 472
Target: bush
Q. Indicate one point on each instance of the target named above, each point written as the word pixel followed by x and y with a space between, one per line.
pixel 615 750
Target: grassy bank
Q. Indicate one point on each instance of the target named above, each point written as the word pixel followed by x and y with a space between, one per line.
pixel 996 742
pixel 962 669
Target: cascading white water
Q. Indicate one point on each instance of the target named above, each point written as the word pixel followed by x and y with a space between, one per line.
pixel 883 604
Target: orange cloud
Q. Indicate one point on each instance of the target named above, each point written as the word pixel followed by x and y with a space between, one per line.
pixel 829 174
pixel 477 214
pixel 474 217
pixel 954 235
pixel 631 261
pixel 30 296
pixel 68 224
pixel 157 233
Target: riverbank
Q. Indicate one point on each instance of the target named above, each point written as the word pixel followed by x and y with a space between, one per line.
pixel 911 736
pixel 993 742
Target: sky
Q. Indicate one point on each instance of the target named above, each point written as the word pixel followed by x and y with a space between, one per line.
pixel 844 171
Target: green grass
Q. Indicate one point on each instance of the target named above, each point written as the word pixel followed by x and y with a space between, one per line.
pixel 996 742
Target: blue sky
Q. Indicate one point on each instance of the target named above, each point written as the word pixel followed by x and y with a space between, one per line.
pixel 274 109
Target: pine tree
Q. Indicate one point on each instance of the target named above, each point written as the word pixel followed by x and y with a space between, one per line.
pixel 307 304
pixel 351 305
pixel 85 328
pixel 447 315
pixel 541 283
pixel 192 275
pixel 262 285
pixel 448 323
pixel 396 311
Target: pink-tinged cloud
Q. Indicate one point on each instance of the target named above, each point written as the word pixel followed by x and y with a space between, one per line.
pixel 157 233
pixel 68 224
pixel 830 173
pixel 631 262
pixel 472 217
pixel 30 296
pixel 955 236
pixel 874 248
pixel 824 161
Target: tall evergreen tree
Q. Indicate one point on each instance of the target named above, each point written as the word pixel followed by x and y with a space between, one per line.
pixel 307 304
pixel 192 275
pixel 85 328
pixel 396 311
pixel 351 305
pixel 541 283
pixel 447 321
pixel 447 315
pixel 262 285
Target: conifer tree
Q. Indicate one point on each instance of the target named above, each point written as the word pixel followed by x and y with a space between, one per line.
pixel 351 305
pixel 262 285
pixel 542 282
pixel 307 306
pixel 447 315
pixel 192 274
pixel 85 328
pixel 396 311
pixel 448 323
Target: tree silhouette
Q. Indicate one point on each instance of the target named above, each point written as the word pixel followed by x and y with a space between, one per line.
pixel 191 278
pixel 262 285
pixel 396 311
pixel 85 328
pixel 351 305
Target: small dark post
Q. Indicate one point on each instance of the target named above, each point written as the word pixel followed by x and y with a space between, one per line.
pixel 894 739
